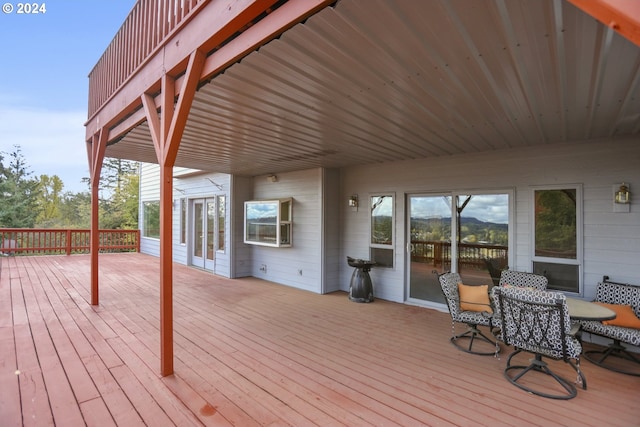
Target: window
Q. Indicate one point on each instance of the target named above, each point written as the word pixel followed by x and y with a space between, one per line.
pixel 268 222
pixel 151 225
pixel 220 221
pixel 183 221
pixel 382 225
pixel 557 234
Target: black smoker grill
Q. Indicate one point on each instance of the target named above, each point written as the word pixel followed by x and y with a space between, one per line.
pixel 360 288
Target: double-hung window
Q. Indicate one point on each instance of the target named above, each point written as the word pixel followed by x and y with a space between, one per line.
pixel 382 224
pixel 557 231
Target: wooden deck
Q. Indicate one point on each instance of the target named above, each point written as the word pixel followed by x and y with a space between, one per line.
pixel 249 352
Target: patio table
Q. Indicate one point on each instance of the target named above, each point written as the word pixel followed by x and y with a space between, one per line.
pixel 584 310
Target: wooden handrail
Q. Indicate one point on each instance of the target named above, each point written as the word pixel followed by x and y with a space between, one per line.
pixel 145 30
pixel 470 254
pixel 46 241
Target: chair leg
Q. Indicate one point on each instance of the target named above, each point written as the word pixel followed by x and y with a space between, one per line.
pixel 615 349
pixel 471 334
pixel 538 365
pixel 581 379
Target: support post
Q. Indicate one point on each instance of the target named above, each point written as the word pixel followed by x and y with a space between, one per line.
pixel 95 152
pixel 166 133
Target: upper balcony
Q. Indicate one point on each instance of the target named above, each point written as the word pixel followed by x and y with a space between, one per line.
pixel 145 31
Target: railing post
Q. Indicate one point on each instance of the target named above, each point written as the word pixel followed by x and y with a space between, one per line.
pixel 68 242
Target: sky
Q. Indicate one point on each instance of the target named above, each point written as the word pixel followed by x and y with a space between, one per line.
pixel 45 59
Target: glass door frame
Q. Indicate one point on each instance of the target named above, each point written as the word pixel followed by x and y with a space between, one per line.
pixel 510 192
pixel 209 237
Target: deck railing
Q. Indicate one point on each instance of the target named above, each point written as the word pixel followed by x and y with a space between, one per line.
pixel 148 25
pixel 470 255
pixel 43 241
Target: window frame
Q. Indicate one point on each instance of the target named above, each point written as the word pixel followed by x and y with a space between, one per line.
pixel 183 221
pixel 388 246
pixel 281 235
pixel 511 220
pixel 145 217
pixel 221 210
pixel 579 259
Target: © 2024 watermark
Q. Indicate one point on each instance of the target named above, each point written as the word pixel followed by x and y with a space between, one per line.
pixel 24 8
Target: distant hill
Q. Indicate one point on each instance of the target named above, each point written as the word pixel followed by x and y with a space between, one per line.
pixel 464 221
pixel 473 228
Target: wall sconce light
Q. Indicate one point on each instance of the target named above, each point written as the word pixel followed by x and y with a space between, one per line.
pixel 622 195
pixel 272 178
pixel 353 201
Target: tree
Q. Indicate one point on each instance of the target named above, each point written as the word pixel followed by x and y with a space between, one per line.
pixel 120 211
pixel 49 201
pixel 18 192
pixel 115 172
pixel 75 210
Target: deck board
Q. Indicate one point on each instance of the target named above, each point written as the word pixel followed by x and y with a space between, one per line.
pixel 251 353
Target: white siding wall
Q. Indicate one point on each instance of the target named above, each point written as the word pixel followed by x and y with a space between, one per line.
pixel 330 258
pixel 189 184
pixel 242 190
pixel 149 191
pixel 285 264
pixel 611 240
pixel 326 230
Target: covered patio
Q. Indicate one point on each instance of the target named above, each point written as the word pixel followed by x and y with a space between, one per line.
pixel 250 352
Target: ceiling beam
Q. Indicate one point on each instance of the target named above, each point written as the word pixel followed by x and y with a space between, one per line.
pixel 621 15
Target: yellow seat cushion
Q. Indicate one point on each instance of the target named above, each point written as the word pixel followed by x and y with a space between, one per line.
pixel 624 316
pixel 474 297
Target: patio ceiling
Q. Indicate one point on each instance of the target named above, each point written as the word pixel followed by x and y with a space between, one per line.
pixel 377 81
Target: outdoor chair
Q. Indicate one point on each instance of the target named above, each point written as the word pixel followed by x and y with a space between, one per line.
pixel 624 299
pixel 523 280
pixel 495 266
pixel 475 311
pixel 538 322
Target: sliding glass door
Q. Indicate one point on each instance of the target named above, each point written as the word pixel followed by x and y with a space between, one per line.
pixel 463 232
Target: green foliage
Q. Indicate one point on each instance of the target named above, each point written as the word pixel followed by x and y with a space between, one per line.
pixel 49 201
pixel 120 211
pixel 556 223
pixel 18 192
pixel 27 202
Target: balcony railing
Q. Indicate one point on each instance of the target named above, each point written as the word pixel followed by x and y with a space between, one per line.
pixel 35 241
pixel 148 25
pixel 470 255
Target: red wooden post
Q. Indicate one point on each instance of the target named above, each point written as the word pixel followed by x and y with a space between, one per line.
pixel 95 151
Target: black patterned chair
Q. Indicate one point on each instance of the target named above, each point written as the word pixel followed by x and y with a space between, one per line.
pixel 523 280
pixel 472 319
pixel 618 294
pixel 538 322
pixel 518 279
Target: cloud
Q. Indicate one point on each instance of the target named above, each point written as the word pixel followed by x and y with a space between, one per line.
pixel 52 142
